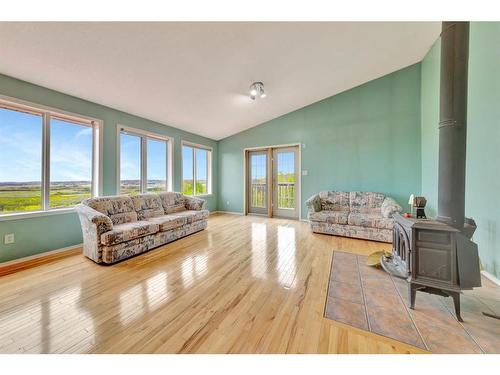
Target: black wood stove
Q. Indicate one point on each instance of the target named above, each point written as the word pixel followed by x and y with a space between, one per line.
pixel 438 256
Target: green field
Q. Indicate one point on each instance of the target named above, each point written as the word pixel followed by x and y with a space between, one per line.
pixel 187 187
pixel 17 197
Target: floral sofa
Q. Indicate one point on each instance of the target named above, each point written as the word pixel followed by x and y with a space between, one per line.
pixel 119 227
pixel 353 214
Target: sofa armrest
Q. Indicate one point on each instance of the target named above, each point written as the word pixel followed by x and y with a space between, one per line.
pixel 94 224
pixel 389 207
pixel 314 204
pixel 195 204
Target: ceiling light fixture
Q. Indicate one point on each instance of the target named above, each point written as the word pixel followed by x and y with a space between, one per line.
pixel 257 90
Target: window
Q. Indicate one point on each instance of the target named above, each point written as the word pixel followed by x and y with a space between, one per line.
pixel 196 169
pixel 48 159
pixel 145 162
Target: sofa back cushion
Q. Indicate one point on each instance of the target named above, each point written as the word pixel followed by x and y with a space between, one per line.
pixel 334 200
pixel 172 202
pixel 119 209
pixel 147 206
pixel 365 202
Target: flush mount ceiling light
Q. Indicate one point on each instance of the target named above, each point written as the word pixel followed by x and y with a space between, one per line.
pixel 257 90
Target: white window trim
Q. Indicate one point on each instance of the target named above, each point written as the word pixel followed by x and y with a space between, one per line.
pixel 97 151
pixel 144 135
pixel 209 167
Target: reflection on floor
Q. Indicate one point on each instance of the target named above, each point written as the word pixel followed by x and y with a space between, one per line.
pixel 370 299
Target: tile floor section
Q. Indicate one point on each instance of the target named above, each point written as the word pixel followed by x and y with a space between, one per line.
pixel 368 298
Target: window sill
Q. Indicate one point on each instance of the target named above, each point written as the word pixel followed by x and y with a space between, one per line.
pixel 32 214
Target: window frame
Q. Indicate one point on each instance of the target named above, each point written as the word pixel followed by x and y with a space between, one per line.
pixel 196 146
pixel 144 136
pixel 47 113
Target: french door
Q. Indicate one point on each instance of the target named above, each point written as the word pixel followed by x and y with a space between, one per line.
pixel 273 182
pixel 258 186
pixel 285 181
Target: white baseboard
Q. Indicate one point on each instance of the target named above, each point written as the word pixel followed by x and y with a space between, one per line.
pixel 490 277
pixel 41 255
pixel 228 212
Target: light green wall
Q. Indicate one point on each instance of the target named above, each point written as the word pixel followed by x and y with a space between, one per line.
pixel 429 101
pixel 367 138
pixel 483 137
pixel 37 235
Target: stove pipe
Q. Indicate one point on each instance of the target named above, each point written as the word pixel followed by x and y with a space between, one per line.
pixel 453 123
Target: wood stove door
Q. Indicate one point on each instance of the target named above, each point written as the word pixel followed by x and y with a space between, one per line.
pixel 434 258
pixel 402 247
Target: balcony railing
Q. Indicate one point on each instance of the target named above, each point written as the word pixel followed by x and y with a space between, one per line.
pixel 286 195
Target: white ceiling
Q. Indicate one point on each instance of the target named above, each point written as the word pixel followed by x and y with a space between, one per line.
pixel 195 76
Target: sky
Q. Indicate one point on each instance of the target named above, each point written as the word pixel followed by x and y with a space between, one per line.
pixel 130 158
pixel 71 152
pixel 187 163
pixel 21 149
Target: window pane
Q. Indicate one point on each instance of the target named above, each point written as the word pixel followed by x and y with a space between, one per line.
pixel 157 165
pixel 20 161
pixel 70 163
pixel 187 170
pixel 130 164
pixel 201 171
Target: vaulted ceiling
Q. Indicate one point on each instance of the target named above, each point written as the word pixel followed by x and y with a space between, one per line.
pixel 196 76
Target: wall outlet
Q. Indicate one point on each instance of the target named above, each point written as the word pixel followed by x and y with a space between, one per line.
pixel 304 172
pixel 8 239
pixel 303 145
pixel 227 203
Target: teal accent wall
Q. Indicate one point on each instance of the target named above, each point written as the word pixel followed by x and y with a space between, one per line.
pixel 41 234
pixel 429 101
pixel 483 137
pixel 366 138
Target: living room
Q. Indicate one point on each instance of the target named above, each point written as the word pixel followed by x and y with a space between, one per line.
pixel 249 187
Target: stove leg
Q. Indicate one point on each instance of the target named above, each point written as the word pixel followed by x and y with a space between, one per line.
pixel 456 302
pixel 412 291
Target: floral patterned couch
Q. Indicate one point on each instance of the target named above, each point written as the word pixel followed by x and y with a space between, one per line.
pixel 119 227
pixel 353 214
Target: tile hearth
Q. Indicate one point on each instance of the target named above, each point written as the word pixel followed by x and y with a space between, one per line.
pixel 370 299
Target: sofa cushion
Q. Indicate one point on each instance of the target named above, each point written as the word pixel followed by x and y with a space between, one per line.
pixel 366 202
pixel 147 205
pixel 334 200
pixel 332 217
pixel 192 216
pixel 119 209
pixel 168 222
pixel 128 231
pixel 370 220
pixel 172 202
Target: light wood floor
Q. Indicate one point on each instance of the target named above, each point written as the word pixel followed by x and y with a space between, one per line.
pixel 244 285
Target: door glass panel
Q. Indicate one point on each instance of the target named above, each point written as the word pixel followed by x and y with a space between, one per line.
pixel 258 190
pixel 286 180
pixel 130 164
pixel 157 165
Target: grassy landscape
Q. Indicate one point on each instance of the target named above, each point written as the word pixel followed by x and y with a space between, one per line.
pixel 187 187
pixel 27 196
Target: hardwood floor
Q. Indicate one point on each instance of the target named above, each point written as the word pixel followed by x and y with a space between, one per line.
pixel 244 285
